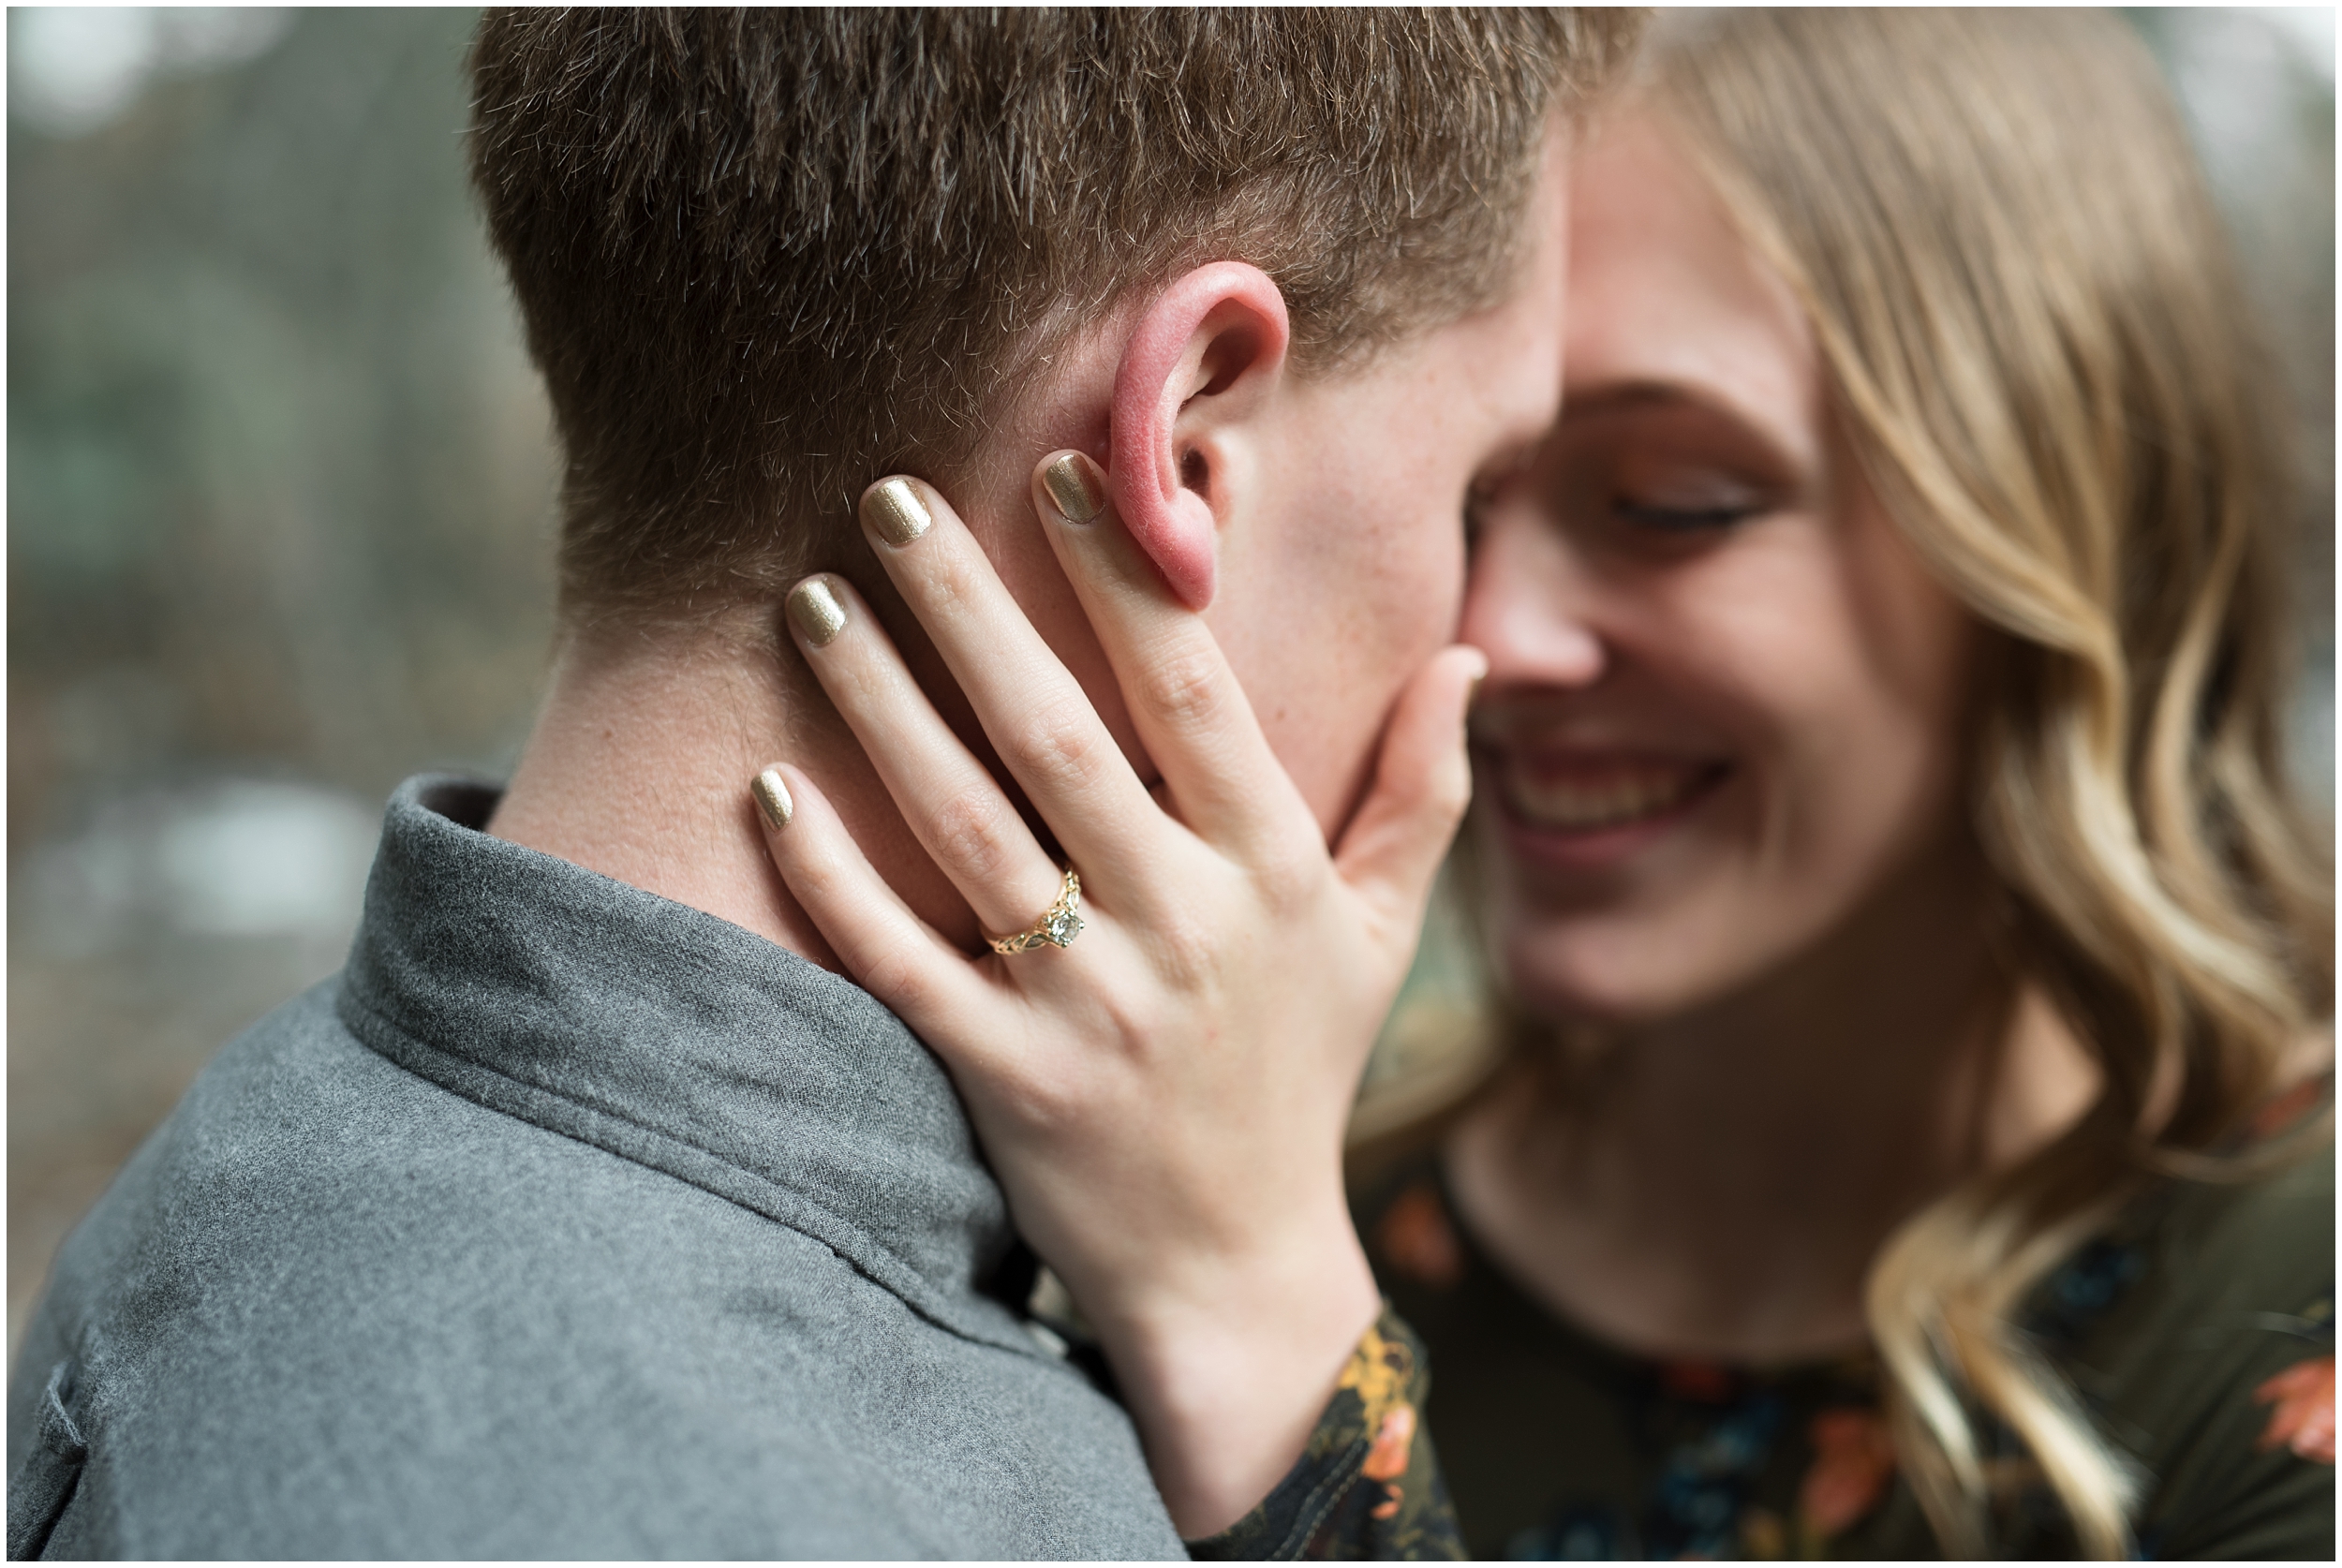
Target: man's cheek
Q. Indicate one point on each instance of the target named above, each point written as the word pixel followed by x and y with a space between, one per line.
pixel 1426 586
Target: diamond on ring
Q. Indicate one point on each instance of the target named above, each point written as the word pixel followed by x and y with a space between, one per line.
pixel 1058 927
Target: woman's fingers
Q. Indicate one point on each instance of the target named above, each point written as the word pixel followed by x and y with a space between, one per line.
pixel 889 951
pixel 1190 712
pixel 953 805
pixel 1038 717
pixel 1393 845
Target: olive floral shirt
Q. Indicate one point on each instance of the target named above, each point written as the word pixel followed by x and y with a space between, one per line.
pixel 2197 1332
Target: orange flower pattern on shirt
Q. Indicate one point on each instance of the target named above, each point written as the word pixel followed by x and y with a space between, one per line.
pixel 2303 1419
pixel 1633 1458
pixel 1387 1460
pixel 1367 1486
pixel 1854 1460
pixel 1416 1238
pixel 1378 1371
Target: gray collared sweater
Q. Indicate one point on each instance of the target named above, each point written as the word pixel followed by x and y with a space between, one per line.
pixel 567 1221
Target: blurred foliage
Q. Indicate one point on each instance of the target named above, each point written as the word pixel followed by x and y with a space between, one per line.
pixel 279 478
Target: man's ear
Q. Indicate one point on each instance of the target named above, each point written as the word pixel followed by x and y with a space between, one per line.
pixel 1196 376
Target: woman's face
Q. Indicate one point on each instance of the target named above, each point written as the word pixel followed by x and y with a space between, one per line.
pixel 1723 708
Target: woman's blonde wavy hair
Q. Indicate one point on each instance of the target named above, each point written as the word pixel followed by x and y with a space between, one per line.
pixel 2034 337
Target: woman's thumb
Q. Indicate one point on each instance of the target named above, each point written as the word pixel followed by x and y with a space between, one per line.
pixel 1422 782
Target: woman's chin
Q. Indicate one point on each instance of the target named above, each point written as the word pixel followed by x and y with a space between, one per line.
pixel 1587 970
pixel 1589 990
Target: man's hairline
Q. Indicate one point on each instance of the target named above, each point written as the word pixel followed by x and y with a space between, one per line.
pixel 1065 321
pixel 745 624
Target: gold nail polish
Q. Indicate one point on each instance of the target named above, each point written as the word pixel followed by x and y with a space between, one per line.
pixel 894 512
pixel 817 611
pixel 1070 486
pixel 772 798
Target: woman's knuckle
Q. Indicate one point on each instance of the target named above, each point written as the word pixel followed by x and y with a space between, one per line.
pixel 1183 688
pixel 952 580
pixel 1188 949
pixel 1287 879
pixel 818 876
pixel 969 834
pixel 1052 743
pixel 1037 1101
pixel 891 974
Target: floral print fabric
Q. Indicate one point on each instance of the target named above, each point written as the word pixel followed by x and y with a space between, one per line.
pixel 2198 1333
pixel 1367 1486
pixel 2303 1419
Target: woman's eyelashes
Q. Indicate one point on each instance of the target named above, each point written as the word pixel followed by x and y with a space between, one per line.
pixel 1675 470
pixel 1684 518
pixel 1677 494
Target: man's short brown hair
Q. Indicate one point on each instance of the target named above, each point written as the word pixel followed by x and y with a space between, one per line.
pixel 766 256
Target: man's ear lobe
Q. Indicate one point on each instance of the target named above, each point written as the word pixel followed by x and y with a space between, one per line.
pixel 1210 345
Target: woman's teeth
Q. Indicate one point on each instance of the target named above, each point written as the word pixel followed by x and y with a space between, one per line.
pixel 1584 798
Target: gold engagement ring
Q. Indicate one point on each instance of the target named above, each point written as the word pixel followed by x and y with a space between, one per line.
pixel 1056 928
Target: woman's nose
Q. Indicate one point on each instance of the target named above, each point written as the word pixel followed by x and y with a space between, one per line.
pixel 1531 606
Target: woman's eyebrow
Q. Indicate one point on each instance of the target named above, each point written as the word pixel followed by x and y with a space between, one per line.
pixel 1784 445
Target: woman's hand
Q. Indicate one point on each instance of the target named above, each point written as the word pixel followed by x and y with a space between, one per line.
pixel 1163 1099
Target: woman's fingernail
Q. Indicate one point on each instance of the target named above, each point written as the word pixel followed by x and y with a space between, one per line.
pixel 816 610
pixel 894 512
pixel 772 798
pixel 1077 495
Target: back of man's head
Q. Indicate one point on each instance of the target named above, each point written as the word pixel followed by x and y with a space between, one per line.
pixel 765 255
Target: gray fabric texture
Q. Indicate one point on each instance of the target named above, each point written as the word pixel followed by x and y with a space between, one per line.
pixel 567 1221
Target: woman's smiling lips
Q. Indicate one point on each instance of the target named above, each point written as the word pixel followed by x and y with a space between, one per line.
pixel 1579 808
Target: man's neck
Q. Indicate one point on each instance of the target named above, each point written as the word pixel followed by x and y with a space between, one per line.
pixel 639 768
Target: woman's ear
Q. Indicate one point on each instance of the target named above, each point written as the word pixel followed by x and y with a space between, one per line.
pixel 1197 369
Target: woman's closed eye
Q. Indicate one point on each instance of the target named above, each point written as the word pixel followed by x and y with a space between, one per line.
pixel 1677 497
pixel 1686 516
pixel 1661 470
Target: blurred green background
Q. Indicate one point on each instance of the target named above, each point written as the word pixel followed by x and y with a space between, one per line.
pixel 280 497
